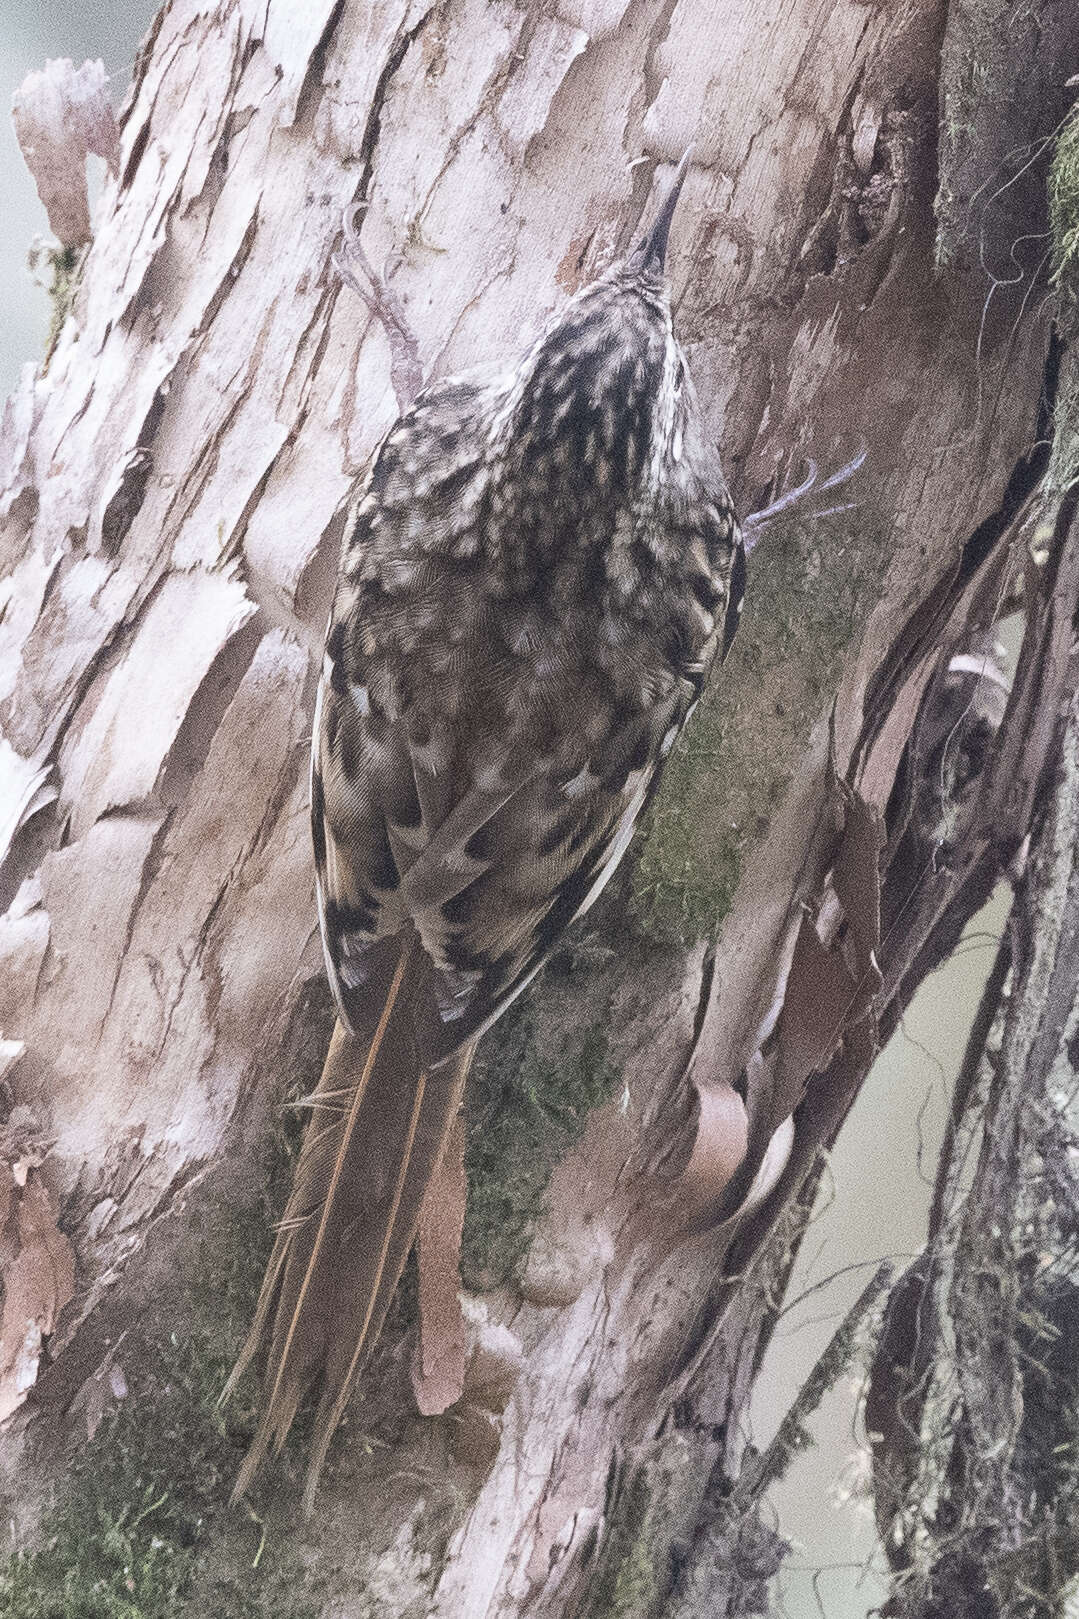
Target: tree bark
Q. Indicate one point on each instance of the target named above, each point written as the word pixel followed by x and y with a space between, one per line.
pixel 174 481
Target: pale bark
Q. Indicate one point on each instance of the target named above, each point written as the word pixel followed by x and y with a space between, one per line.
pixel 173 489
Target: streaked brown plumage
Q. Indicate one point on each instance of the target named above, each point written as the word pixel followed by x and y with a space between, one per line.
pixel 535 581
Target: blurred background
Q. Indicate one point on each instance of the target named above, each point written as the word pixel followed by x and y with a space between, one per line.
pixel 873 1204
pixel 875 1196
pixel 31 31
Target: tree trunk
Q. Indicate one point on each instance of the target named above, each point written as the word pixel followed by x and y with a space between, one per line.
pixel 644 1131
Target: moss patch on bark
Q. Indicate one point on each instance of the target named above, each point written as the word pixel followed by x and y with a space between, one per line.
pixel 142 1516
pixel 538 1075
pixel 810 588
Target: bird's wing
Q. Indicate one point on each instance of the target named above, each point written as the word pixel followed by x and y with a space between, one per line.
pixel 488 858
pixel 379 782
pixel 494 905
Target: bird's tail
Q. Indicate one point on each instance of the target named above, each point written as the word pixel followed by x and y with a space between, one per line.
pixel 377 1131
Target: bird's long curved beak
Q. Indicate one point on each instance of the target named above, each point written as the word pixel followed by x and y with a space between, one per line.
pixel 651 250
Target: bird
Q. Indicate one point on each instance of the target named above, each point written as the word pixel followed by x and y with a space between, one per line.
pixel 537 575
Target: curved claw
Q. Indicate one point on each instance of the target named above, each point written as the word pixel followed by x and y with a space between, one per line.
pixel 378 297
pixel 349 222
pixel 756 522
pixel 354 251
pixel 845 472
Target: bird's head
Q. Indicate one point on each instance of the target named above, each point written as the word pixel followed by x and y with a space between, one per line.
pixel 603 396
pixel 648 259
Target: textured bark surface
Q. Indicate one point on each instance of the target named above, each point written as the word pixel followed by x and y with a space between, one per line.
pixel 173 484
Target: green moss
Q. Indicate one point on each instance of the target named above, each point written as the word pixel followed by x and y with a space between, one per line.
pixel 653 1505
pixel 626 1584
pixel 634 1587
pixel 132 1528
pixel 1064 215
pixel 66 263
pixel 810 588
pixel 528 1099
pixel 142 1527
pixel 997 86
pixel 965 86
pixel 59 271
pixel 1063 469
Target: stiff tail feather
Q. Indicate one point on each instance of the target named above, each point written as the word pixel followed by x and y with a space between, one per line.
pixel 378 1128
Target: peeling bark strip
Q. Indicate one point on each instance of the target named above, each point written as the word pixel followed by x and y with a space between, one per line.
pixel 37 1264
pixel 60 116
pixel 172 491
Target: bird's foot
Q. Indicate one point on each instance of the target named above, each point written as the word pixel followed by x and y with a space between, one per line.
pixel 755 524
pixel 357 271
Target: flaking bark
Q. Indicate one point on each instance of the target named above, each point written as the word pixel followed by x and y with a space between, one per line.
pixel 173 485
